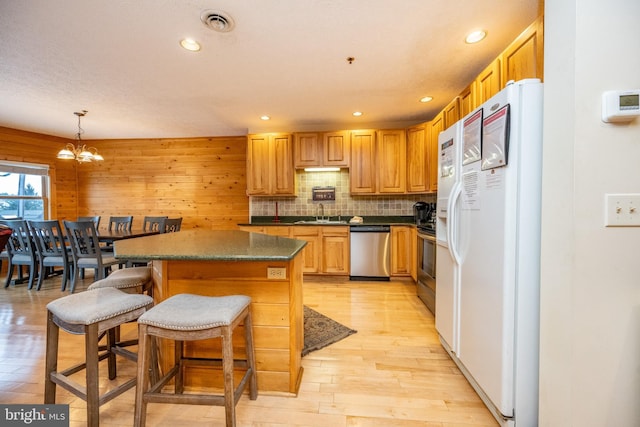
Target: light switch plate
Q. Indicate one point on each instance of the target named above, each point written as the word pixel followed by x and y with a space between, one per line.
pixel 622 210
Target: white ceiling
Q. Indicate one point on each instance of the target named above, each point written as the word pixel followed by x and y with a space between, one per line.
pixel 121 60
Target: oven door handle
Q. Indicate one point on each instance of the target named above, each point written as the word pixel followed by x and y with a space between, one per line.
pixel 452 226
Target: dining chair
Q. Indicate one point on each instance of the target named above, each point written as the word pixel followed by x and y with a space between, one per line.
pixel 51 249
pixel 120 223
pixel 171 225
pixel 5 234
pixel 95 219
pixel 86 251
pixel 152 223
pixel 20 251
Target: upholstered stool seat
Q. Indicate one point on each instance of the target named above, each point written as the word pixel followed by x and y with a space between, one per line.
pixel 186 317
pixel 131 280
pixel 91 314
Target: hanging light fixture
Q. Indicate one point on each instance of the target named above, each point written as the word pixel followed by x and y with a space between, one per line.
pixel 80 152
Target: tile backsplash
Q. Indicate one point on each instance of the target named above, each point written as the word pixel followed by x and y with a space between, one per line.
pixel 345 204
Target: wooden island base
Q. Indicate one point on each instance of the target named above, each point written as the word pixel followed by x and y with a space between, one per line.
pixel 276 308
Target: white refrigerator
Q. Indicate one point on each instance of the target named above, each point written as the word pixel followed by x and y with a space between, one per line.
pixel 488 249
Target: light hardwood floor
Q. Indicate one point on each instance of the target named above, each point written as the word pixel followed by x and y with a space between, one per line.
pixel 393 372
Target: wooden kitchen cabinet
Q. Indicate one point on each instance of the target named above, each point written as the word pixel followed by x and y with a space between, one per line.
pixel 417 169
pixel 524 58
pixel 336 149
pixel 307 150
pixel 401 250
pixel 362 174
pixel 414 253
pixel 326 149
pixel 488 82
pixel 335 250
pixel 435 127
pixel 467 100
pixel 270 169
pixel 378 162
pixel 391 156
pixel 311 252
pixel 451 112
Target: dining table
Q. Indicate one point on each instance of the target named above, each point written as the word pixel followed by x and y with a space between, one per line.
pixel 110 236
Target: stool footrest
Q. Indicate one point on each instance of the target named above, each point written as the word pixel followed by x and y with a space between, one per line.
pixel 155 396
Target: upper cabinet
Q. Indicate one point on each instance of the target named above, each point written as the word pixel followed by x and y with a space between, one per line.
pixel 336 149
pixel 487 83
pixel 316 149
pixel 270 165
pixel 417 171
pixel 435 127
pixel 362 174
pixel 467 99
pixel 378 162
pixel 523 59
pixel 452 112
pixel 391 151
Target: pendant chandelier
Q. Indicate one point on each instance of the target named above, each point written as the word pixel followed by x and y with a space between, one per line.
pixel 80 152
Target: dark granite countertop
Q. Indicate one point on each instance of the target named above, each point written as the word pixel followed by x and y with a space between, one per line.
pixel 368 220
pixel 231 245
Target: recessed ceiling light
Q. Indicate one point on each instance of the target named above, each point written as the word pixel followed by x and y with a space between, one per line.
pixel 265 118
pixel 475 36
pixel 357 113
pixel 190 45
pixel 426 99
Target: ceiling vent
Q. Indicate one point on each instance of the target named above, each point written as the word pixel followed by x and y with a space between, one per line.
pixel 217 20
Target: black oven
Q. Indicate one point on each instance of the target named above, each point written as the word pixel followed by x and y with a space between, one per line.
pixel 426 285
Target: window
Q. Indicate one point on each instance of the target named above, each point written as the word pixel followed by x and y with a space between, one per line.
pixel 24 190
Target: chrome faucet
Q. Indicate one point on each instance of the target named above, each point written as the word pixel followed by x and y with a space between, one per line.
pixel 320 212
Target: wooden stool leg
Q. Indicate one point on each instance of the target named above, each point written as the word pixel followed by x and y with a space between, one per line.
pixel 53 332
pixel 111 357
pixel 144 360
pixel 178 352
pixel 227 371
pixel 93 395
pixel 251 358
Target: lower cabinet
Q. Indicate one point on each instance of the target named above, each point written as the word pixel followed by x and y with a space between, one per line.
pixel 311 252
pixel 327 249
pixel 402 250
pixel 335 250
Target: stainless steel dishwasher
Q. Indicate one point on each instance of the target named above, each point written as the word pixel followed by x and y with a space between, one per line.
pixel 370 252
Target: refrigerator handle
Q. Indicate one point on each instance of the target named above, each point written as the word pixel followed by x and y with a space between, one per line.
pixel 452 227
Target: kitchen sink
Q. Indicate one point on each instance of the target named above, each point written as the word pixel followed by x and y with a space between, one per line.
pixel 321 221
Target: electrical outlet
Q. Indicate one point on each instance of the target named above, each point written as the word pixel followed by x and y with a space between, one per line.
pixel 622 210
pixel 276 273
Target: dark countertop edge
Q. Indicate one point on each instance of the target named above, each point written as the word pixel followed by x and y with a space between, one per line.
pixel 368 220
pixel 236 258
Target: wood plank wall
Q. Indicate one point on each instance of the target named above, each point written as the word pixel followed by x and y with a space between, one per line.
pixel 29 147
pixel 202 180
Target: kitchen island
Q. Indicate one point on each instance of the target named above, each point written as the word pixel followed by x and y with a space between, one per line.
pixel 266 268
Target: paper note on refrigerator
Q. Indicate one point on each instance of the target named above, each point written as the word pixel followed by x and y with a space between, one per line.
pixel 472 138
pixel 495 139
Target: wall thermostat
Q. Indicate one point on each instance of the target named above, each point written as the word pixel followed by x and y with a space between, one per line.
pixel 620 105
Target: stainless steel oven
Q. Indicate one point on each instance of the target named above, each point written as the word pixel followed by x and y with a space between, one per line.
pixel 426 284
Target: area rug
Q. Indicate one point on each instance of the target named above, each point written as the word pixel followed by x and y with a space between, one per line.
pixel 320 331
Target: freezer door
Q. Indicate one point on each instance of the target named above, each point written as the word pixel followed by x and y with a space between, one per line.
pixel 499 249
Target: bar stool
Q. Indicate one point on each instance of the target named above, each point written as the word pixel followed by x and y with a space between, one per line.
pixel 134 280
pixel 186 317
pixel 91 314
pixel 131 280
